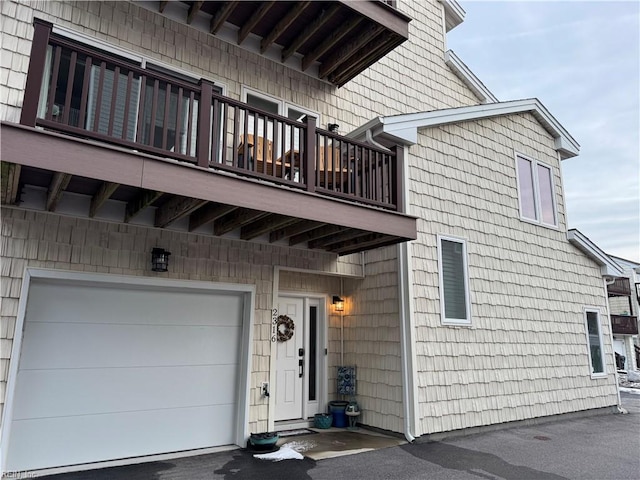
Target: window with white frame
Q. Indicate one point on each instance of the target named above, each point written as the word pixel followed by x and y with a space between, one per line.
pixel 535 188
pixel 594 340
pixel 455 306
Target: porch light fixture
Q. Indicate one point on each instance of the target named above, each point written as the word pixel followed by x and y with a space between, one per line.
pixel 160 260
pixel 333 127
pixel 338 303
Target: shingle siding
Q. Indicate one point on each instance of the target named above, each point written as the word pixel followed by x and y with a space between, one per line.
pixel 525 354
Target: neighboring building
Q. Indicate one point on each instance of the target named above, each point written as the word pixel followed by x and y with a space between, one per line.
pixel 625 312
pixel 208 130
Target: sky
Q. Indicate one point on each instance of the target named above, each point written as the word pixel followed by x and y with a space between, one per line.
pixel 581 59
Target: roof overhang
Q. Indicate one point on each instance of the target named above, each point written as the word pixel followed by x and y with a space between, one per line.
pixel 403 129
pixel 608 266
pixel 468 78
pixel 453 14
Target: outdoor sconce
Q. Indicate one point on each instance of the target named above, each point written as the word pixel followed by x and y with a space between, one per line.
pixel 333 127
pixel 160 260
pixel 338 303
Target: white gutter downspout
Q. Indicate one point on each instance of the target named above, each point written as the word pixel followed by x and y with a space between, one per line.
pixel 405 301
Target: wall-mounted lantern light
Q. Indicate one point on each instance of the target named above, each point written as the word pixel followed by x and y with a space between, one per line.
pixel 338 303
pixel 333 127
pixel 160 260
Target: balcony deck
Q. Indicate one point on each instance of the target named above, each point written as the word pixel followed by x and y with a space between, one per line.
pixel 108 128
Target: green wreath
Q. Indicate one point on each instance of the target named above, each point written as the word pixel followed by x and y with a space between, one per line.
pixel 285 327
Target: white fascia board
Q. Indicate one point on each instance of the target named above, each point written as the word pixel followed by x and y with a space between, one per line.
pixel 607 265
pixel 400 124
pixel 453 13
pixel 463 72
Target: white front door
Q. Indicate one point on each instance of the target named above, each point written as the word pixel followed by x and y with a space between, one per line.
pixel 300 360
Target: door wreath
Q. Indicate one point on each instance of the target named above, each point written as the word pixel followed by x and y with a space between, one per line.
pixel 285 327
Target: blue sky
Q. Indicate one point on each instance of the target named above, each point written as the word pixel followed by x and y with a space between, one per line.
pixel 582 60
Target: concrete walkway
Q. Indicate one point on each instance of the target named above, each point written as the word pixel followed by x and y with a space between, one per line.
pixel 604 447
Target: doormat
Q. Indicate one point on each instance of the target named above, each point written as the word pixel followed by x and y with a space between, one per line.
pixel 296 432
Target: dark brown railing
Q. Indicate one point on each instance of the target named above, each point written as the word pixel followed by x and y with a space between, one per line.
pixel 86 92
pixel 621 287
pixel 624 324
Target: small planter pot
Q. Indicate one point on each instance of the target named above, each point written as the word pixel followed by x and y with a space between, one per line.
pixel 322 420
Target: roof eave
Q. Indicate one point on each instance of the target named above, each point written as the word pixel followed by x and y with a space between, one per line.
pixel 608 267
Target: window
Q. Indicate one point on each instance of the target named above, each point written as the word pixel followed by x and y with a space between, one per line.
pixel 454 281
pixel 594 340
pixel 535 187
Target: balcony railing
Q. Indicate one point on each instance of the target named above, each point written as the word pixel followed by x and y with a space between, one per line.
pixel 89 93
pixel 624 324
pixel 621 287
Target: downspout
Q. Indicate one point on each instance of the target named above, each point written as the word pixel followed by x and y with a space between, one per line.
pixel 405 302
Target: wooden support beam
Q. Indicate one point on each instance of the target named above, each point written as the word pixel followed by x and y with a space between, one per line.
pixel 353 68
pixel 338 238
pixel 365 243
pixel 236 219
pixel 301 226
pixel 258 15
pixel 282 25
pixel 175 209
pixel 345 53
pixel 104 192
pixel 221 16
pixel 330 42
pixel 209 213
pixel 135 206
pixel 193 11
pixel 316 234
pixel 309 31
pixel 265 225
pixel 162 6
pixel 57 186
pixel 10 182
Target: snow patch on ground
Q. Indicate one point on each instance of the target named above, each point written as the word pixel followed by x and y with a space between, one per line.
pixel 288 451
pixel 635 391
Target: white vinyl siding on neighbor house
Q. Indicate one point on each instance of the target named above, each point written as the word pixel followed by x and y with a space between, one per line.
pixel 536 193
pixel 454 281
pixel 594 341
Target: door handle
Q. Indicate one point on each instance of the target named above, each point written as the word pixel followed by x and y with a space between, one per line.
pixel 300 368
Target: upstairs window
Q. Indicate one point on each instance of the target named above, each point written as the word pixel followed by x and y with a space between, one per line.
pixel 594 340
pixel 454 281
pixel 535 188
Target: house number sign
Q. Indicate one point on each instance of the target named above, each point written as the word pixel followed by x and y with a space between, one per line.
pixel 274 324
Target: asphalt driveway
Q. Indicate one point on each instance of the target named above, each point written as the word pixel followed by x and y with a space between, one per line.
pixel 601 447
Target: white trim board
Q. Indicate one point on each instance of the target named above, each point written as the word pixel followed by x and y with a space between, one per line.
pixel 607 265
pixel 403 129
pixel 465 74
pixel 453 14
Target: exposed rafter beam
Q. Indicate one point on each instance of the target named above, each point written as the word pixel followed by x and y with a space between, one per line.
pixel 10 182
pixel 315 234
pixel 175 209
pixel 236 220
pixel 57 186
pixel 330 42
pixel 295 229
pixel 142 201
pixel 265 225
pixel 104 192
pixel 310 30
pixel 337 238
pixel 193 11
pixel 162 6
pixel 342 76
pixel 282 25
pixel 258 15
pixel 209 213
pixel 364 243
pixel 221 16
pixel 349 50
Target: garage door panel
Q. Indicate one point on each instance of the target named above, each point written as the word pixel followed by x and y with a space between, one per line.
pixel 42 443
pixel 109 345
pixel 45 393
pixel 141 305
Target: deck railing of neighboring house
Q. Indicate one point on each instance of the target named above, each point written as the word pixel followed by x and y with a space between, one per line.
pixel 90 93
pixel 621 287
pixel 624 324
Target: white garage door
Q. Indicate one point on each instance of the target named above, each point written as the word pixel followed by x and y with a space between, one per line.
pixel 120 371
